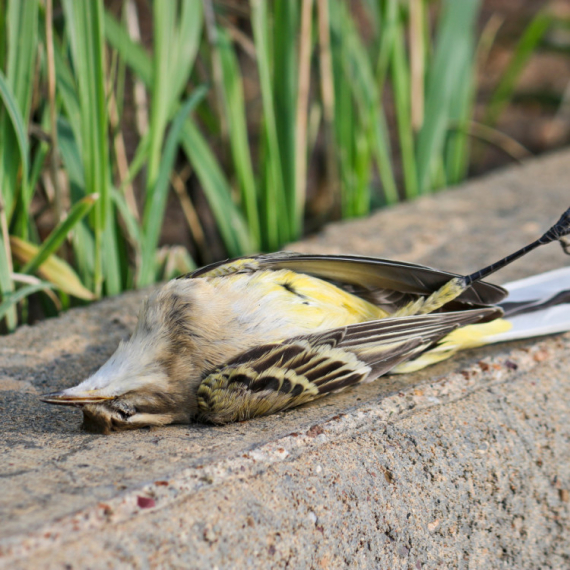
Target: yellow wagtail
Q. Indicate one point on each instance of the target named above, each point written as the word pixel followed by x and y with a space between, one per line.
pixel 256 335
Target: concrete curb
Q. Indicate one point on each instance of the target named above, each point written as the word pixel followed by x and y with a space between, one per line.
pixel 466 464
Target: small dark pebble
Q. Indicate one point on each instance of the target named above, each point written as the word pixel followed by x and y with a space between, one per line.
pixel 511 365
pixel 107 510
pixel 315 431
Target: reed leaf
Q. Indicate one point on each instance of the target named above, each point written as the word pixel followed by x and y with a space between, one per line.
pixel 530 39
pixel 53 269
pixel 85 29
pixel 10 301
pixel 53 242
pixel 452 52
pixel 156 202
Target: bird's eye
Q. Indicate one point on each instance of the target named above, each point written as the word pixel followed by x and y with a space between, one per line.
pixel 124 415
pixel 125 411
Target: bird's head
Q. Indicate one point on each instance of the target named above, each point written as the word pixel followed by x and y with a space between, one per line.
pixel 141 384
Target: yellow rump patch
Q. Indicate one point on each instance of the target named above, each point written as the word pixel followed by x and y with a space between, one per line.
pixel 470 336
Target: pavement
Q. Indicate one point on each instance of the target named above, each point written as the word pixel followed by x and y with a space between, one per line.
pixel 463 465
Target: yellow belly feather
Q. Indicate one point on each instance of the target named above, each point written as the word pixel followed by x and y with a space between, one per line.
pixel 470 336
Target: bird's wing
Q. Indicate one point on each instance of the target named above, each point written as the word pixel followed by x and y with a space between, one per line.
pixel 277 376
pixel 381 281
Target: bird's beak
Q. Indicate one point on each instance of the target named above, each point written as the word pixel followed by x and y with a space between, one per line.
pixel 64 398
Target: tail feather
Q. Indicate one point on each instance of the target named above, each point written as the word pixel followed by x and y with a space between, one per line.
pixel 541 286
pixel 547 321
pixel 536 306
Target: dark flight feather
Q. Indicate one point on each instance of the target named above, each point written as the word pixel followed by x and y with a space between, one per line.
pixel 388 284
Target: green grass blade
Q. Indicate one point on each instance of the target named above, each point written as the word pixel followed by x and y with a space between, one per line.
pixel 12 126
pixel 154 208
pixel 241 154
pixel 401 84
pixel 111 260
pixel 452 52
pixel 285 32
pixel 53 269
pixel 131 223
pixel 71 157
pixel 363 172
pixel 229 220
pixel 132 53
pixel 164 29
pixel 22 223
pixel 343 110
pixel 83 244
pixel 176 34
pixel 66 88
pixel 530 39
pixel 177 29
pixel 12 299
pixel 82 237
pixel 371 112
pixel 18 124
pixel 278 217
pixel 387 31
pixel 344 130
pixel 232 227
pixel 16 92
pixel 84 25
pixel 6 283
pixel 139 160
pixel 190 22
pixel 354 71
pixel 58 235
pixel 460 116
pixel 22 25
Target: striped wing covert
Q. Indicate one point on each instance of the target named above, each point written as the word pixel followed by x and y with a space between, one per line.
pixel 277 376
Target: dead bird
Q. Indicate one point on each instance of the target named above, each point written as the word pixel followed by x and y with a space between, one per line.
pixel 255 335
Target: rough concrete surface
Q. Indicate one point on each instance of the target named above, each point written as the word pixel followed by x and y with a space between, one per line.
pixel 463 465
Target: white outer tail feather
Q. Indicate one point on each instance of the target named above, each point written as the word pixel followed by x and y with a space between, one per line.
pixel 540 287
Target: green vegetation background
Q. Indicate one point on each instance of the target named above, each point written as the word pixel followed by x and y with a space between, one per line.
pixel 70 71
